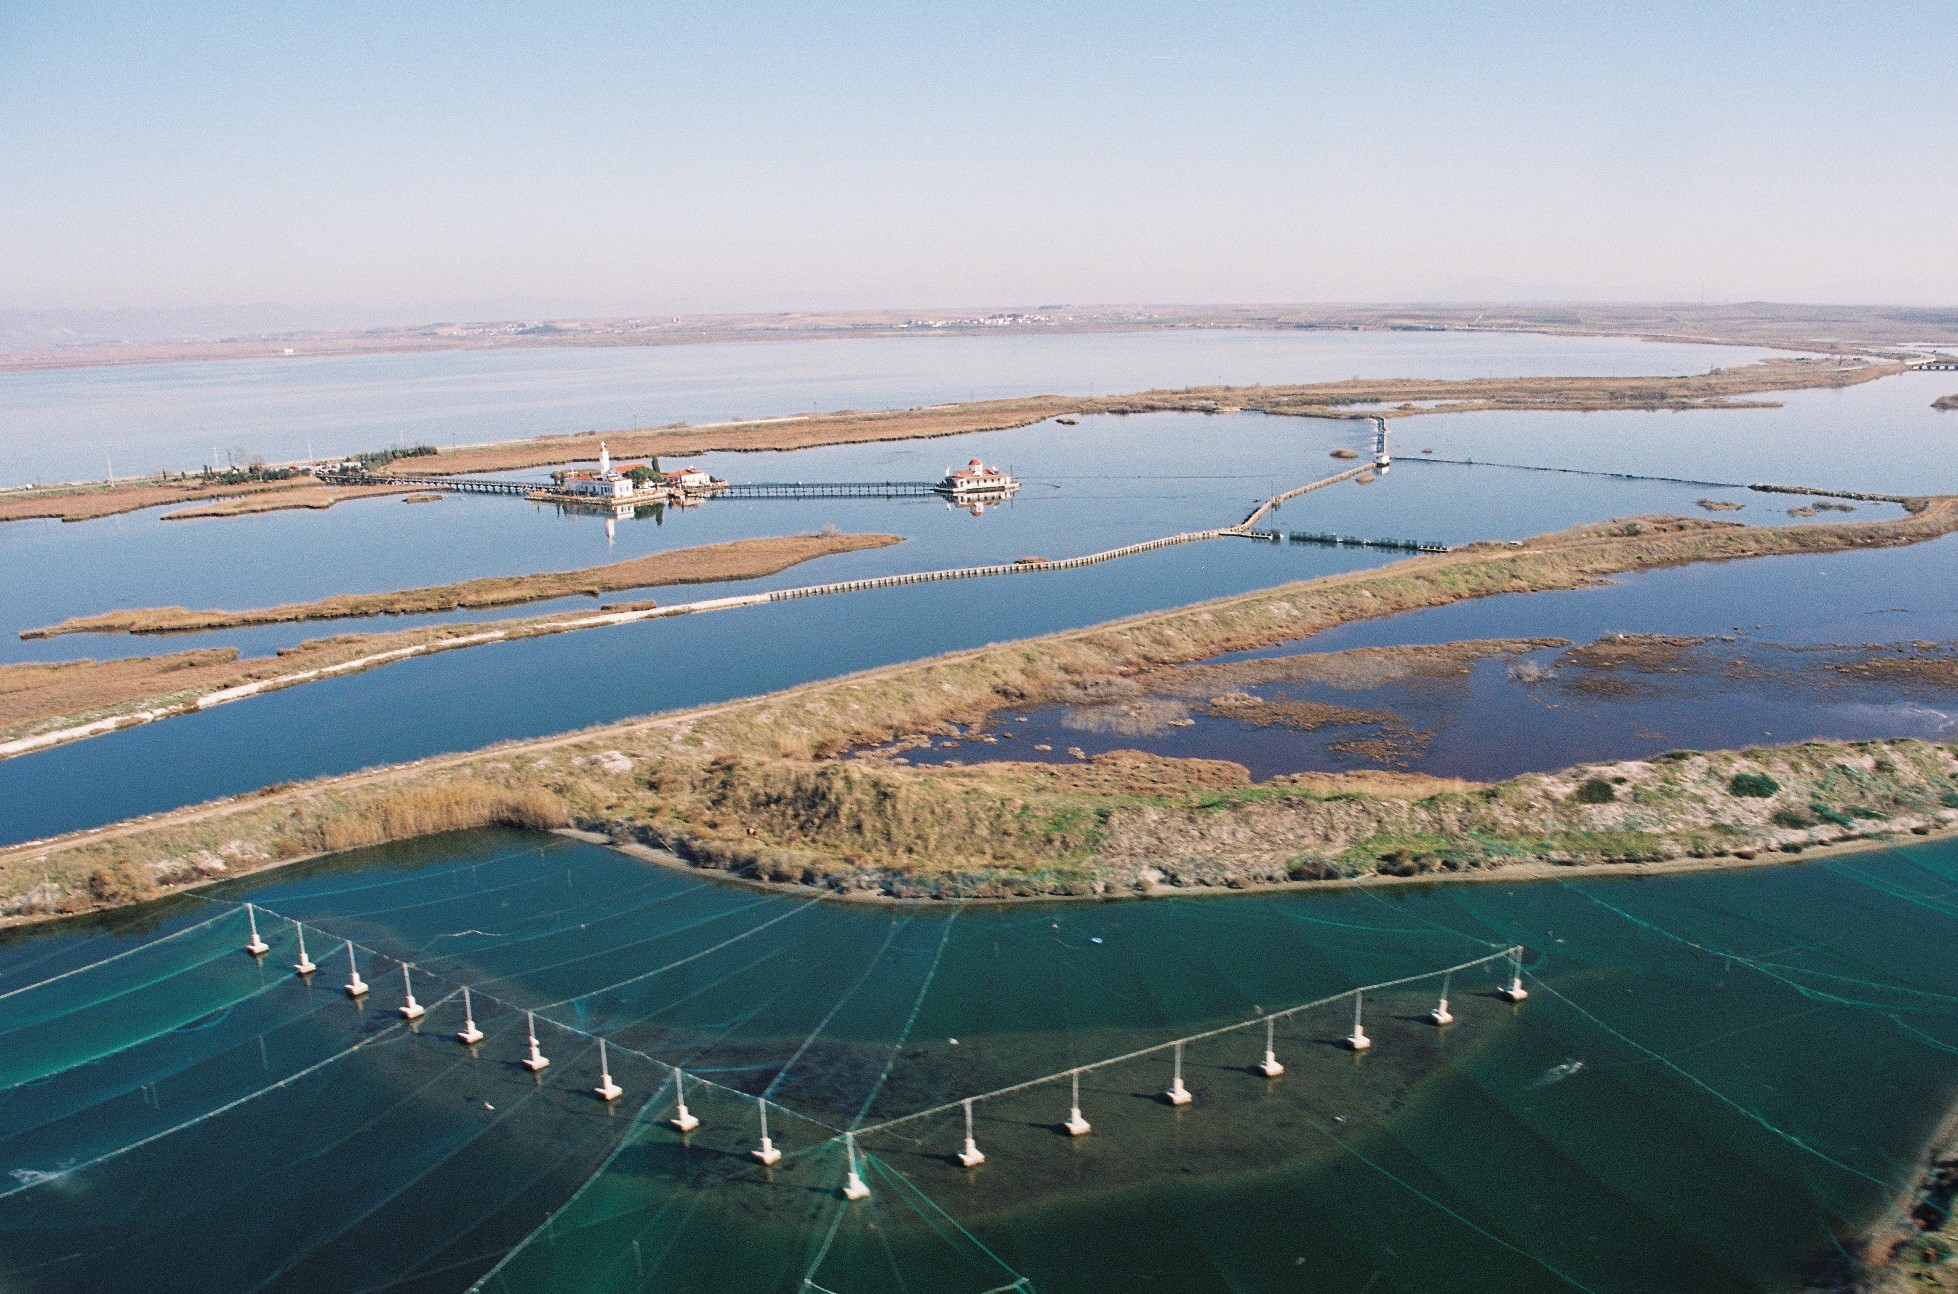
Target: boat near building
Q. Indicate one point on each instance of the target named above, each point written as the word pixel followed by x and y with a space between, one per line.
pixel 976 481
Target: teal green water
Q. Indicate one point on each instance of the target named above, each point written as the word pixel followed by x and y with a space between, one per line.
pixel 1715 1081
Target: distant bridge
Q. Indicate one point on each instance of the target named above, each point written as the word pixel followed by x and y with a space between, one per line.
pixel 1936 366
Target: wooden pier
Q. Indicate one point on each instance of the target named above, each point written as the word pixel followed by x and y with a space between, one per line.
pixel 743 490
pixel 1024 566
pixel 828 490
pixel 1259 513
pixel 460 484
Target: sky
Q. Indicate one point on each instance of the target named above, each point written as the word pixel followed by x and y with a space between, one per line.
pixel 490 160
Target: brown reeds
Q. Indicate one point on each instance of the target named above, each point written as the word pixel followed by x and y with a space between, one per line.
pixel 461 804
pixel 740 559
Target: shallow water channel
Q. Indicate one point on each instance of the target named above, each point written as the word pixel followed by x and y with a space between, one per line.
pixel 1715 1080
pixel 1701 657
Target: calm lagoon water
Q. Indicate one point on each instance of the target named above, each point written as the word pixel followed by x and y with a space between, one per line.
pixel 66 425
pixel 1716 1079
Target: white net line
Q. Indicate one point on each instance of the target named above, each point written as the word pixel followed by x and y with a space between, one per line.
pixel 1512 954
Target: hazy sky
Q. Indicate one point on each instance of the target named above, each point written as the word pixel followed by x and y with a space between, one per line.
pixel 606 157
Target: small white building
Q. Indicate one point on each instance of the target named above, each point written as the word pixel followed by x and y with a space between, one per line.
pixel 975 478
pixel 605 483
pixel 688 478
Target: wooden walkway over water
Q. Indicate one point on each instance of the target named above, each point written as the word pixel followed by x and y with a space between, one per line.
pixel 742 490
pixel 828 490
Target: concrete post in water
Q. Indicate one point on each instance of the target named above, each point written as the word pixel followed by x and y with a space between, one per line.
pixel 853 1187
pixel 410 1009
pixel 971 1156
pixel 536 1062
pixel 470 1034
pixel 257 947
pixel 682 1120
pixel 1515 992
pixel 1076 1126
pixel 607 1090
pixel 304 966
pixel 1358 1040
pixel 766 1152
pixel 356 986
pixel 1177 1093
pixel 1440 1015
pixel 1270 1067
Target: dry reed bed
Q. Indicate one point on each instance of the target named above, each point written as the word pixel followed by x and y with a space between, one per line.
pixel 740 559
pixel 109 498
pixel 316 497
pixel 752 788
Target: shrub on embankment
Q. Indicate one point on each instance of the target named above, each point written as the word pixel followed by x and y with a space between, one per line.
pixel 269 827
pixel 459 805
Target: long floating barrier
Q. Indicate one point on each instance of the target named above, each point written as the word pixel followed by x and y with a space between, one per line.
pixel 1329 540
pixel 1581 471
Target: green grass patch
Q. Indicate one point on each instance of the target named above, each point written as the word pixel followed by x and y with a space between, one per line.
pixel 1752 786
pixel 1596 791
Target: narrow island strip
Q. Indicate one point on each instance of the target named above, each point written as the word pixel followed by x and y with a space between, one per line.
pixel 314 497
pixel 1720 388
pixel 762 789
pixel 739 559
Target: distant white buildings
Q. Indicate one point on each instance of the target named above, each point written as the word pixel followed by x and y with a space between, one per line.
pixel 637 482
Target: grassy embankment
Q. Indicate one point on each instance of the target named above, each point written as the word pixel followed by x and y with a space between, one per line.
pixel 38 698
pixel 1719 388
pixel 316 497
pixel 755 788
pixel 739 559
pixel 84 502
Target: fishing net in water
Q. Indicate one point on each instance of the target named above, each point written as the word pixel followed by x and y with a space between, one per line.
pixel 180 1109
